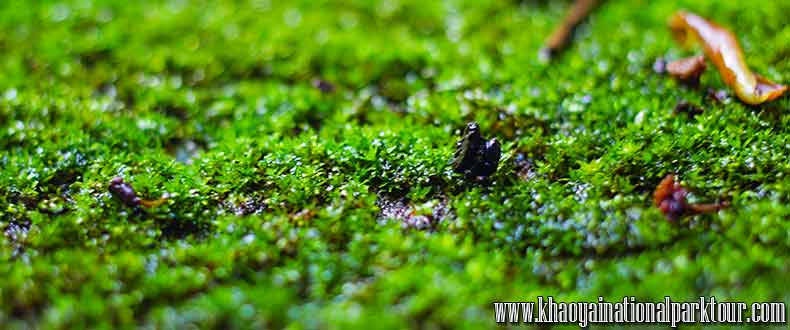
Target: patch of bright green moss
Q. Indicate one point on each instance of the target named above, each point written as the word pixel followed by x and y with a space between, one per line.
pixel 273 220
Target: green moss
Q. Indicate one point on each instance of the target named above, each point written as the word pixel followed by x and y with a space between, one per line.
pixel 272 219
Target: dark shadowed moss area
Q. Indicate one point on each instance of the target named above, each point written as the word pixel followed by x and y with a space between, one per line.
pixel 275 186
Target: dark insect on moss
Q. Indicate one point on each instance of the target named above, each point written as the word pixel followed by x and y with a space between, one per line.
pixel 688 108
pixel 670 198
pixel 124 191
pixel 474 156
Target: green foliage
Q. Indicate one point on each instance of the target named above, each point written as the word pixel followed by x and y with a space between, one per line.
pixel 272 218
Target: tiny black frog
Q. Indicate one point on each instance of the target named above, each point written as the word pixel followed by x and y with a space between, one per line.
pixel 474 156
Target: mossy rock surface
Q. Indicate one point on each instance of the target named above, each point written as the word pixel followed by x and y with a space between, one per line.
pixel 279 192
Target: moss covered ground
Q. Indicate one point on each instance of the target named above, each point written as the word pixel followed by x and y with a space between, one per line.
pixel 279 193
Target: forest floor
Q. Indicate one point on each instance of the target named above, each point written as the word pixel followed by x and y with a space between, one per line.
pixel 304 148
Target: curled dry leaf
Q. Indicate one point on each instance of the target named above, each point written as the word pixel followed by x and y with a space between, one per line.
pixel 687 70
pixel 721 47
pixel 562 34
pixel 670 198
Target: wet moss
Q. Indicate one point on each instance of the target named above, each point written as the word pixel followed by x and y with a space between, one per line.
pixel 274 219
